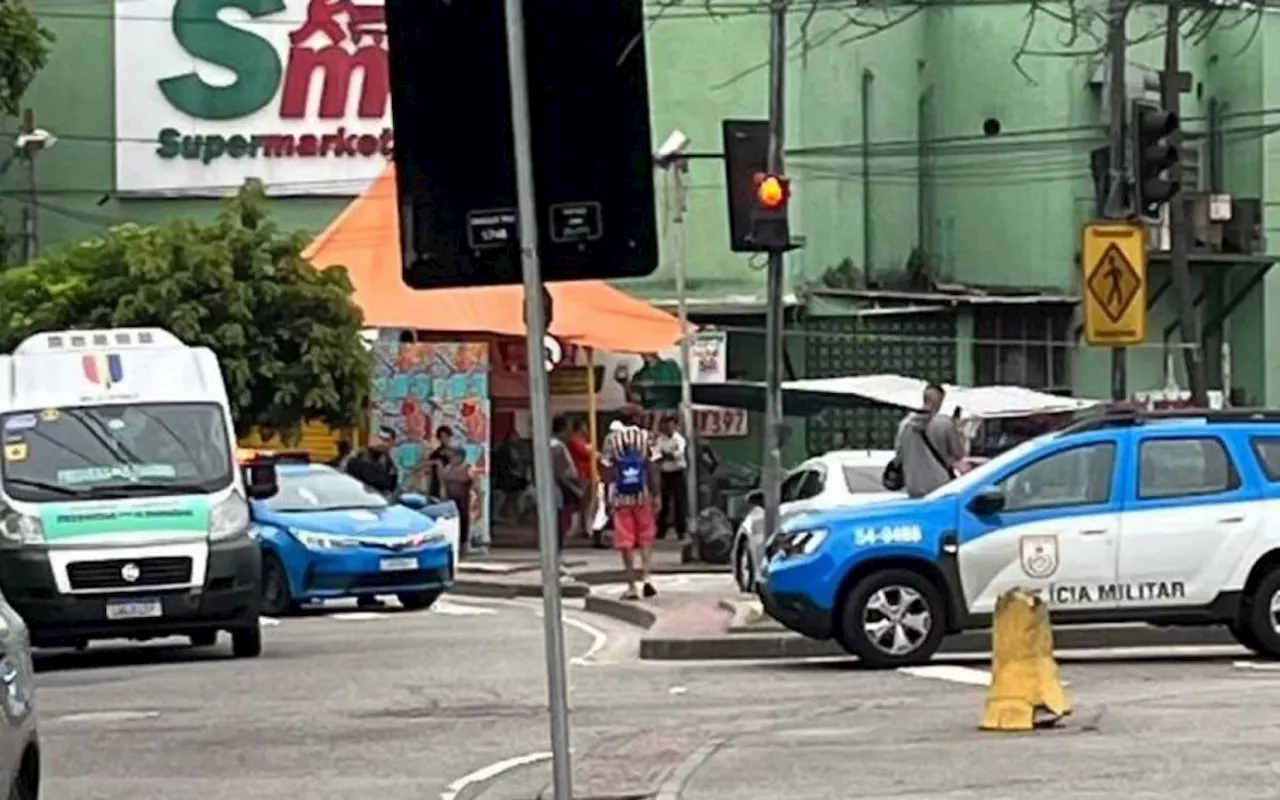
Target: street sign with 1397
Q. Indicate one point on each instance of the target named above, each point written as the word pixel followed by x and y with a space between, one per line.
pixel 887 534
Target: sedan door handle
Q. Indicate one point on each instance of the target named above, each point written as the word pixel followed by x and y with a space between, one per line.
pixel 1230 520
pixel 1095 531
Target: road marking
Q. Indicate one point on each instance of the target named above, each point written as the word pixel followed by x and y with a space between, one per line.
pixel 359 616
pixel 1258 666
pixel 952 674
pixel 108 716
pixel 599 639
pixel 491 771
pixel 452 609
pixel 267 622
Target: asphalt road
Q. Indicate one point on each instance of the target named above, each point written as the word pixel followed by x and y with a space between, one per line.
pixel 451 704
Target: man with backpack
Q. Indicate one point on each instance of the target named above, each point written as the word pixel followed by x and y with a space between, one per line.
pixel 631 475
pixel 930 447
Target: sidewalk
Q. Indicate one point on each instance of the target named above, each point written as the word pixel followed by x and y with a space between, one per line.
pixel 704 617
pixel 517 572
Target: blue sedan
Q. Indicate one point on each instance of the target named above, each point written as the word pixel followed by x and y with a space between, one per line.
pixel 326 535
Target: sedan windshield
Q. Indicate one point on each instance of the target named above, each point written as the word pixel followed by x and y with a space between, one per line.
pixel 116 451
pixel 321 488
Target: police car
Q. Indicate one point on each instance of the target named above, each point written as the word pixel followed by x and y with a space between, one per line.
pixel 1164 518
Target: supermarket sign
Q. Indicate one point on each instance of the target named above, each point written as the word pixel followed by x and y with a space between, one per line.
pixel 211 92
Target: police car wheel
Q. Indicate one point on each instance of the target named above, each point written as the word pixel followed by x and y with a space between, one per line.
pixel 1263 618
pixel 1244 635
pixel 892 618
pixel 277 600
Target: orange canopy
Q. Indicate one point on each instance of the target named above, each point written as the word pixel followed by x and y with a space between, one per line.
pixel 365 239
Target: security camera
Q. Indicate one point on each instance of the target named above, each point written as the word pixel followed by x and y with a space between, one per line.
pixel 38 139
pixel 674 146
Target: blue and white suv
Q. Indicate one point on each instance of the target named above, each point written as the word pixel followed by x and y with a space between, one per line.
pixel 1171 519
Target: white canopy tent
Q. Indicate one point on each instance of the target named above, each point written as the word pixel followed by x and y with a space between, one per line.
pixel 974 402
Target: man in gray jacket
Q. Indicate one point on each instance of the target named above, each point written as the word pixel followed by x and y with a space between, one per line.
pixel 929 446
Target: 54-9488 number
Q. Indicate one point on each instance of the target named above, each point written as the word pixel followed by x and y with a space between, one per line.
pixel 887 534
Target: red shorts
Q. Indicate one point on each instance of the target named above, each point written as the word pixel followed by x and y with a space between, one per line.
pixel 634 526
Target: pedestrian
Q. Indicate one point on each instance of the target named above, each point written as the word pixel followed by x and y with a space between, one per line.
pixel 583 453
pixel 929 446
pixel 452 480
pixel 673 464
pixel 373 466
pixel 569 489
pixel 343 448
pixel 631 474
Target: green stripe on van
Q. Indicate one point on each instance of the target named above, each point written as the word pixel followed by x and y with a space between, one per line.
pixel 186 516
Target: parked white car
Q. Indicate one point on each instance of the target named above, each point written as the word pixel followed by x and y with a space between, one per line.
pixel 835 479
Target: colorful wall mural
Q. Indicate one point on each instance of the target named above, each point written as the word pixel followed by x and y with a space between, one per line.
pixel 420 386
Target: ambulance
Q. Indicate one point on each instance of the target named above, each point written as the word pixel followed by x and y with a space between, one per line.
pixel 123 511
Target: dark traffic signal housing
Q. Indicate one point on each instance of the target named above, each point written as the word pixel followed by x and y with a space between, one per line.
pixel 1155 152
pixel 770 229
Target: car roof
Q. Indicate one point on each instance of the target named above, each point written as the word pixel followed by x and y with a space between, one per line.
pixel 857 458
pixel 294 469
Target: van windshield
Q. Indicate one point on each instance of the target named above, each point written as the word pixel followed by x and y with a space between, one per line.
pixel 101 452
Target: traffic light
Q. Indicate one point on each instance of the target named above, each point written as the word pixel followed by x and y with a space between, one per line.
pixel 1154 153
pixel 454 154
pixel 769 227
pixel 746 153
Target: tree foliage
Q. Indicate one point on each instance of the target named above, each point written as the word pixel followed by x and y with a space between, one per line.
pixel 287 335
pixel 24 49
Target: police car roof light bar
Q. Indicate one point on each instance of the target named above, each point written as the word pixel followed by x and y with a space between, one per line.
pixel 292 457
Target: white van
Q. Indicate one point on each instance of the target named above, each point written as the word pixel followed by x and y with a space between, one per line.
pixel 123 511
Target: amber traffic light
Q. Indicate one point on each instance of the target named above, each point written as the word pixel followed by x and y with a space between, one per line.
pixel 771 191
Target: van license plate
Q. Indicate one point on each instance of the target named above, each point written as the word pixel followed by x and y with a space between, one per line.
pixel 134 609
pixel 399 564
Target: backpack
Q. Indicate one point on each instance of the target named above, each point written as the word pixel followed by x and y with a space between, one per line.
pixel 631 473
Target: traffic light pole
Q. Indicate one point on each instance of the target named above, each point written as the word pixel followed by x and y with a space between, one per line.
pixel 1117 196
pixel 1179 268
pixel 539 404
pixel 771 475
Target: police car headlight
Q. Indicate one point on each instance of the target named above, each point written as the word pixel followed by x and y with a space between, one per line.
pixel 18 528
pixel 800 543
pixel 429 536
pixel 229 518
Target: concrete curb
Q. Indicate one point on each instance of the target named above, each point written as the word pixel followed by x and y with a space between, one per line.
pixel 747 646
pixel 512 590
pixel 596 577
pixel 628 612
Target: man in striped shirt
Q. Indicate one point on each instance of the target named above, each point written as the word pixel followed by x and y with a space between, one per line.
pixel 630 464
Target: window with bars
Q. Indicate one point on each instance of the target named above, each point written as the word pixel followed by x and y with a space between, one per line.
pixel 1022 346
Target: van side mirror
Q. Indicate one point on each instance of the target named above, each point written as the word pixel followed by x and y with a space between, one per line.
pixel 988 501
pixel 260 479
pixel 755 497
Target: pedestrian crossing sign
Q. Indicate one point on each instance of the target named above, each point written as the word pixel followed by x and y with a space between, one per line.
pixel 1115 283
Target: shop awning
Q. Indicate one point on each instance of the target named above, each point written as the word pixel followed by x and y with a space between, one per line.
pixel 365 239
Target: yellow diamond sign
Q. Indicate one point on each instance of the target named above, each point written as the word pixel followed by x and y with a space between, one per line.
pixel 1115 283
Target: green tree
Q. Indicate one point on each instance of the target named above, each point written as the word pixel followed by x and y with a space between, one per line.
pixel 287 335
pixel 24 49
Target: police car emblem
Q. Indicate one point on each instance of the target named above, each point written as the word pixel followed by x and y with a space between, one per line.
pixel 130 572
pixel 1039 555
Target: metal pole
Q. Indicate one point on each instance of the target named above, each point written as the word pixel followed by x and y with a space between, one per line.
pixel 678 169
pixel 771 476
pixel 540 406
pixel 1117 194
pixel 30 222
pixel 1179 233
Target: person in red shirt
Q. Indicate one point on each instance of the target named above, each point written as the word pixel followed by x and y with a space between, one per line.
pixel 583 453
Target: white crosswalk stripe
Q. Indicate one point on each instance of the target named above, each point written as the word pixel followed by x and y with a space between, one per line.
pixel 443 607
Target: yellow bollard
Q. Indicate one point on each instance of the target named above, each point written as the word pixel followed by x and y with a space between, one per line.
pixel 1026 691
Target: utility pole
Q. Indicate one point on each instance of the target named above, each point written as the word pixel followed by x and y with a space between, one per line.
pixel 679 170
pixel 1118 193
pixel 1179 232
pixel 30 221
pixel 771 476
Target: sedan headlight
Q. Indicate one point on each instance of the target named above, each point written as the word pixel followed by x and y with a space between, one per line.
pixel 429 536
pixel 18 528
pixel 229 518
pixel 799 543
pixel 314 540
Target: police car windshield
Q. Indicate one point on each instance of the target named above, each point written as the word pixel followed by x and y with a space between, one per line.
pixel 116 451
pixel 321 488
pixel 983 472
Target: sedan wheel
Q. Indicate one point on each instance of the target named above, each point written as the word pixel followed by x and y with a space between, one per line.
pixel 743 573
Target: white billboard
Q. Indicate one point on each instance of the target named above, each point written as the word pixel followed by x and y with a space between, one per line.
pixel 211 92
